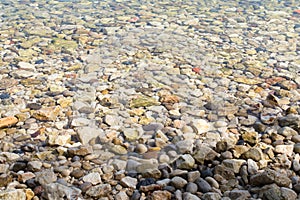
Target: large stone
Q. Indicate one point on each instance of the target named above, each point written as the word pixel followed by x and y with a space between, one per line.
pixel 185 161
pixel 239 194
pixel 45 177
pixel 203 185
pixel 204 153
pixel 87 133
pixel 12 194
pixel 47 113
pixel 129 182
pixel 285 149
pixel 56 191
pixel 161 195
pixel 98 191
pixel 185 146
pixel 268 177
pixel 93 178
pixel 8 121
pixel 201 126
pixel 234 164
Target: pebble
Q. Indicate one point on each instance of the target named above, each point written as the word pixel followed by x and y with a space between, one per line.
pixel 178 182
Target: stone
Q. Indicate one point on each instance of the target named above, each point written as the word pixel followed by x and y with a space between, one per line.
pixel 287 131
pixel 99 191
pixel 47 113
pixel 45 177
pixel 201 126
pixel 211 196
pixel 122 196
pixel 191 188
pixel 251 137
pixel 288 193
pixel 143 101
pixel 29 194
pixel 26 66
pixel 253 153
pixel 239 194
pixel 80 151
pixel 225 172
pixel 34 166
pixel 234 164
pixel 189 196
pixel 203 185
pixel 87 133
pixel 8 121
pixel 252 167
pixel 178 182
pixel 129 182
pixel 131 134
pixel 185 161
pixel 16 194
pixel 58 191
pixel 61 139
pixel 284 149
pixel 163 195
pixel 204 153
pixel 268 177
pixel 93 178
pixel 185 146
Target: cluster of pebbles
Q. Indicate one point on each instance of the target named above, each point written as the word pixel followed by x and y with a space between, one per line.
pixel 149 100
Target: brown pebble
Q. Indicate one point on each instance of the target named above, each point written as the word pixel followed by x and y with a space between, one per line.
pixel 77 173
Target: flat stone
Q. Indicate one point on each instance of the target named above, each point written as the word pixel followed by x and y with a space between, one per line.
pixel 211 196
pixel 239 194
pixel 178 182
pixel 60 191
pixel 99 191
pixel 204 153
pixel 80 151
pixel 87 133
pixel 189 196
pixel 93 178
pixel 284 149
pixel 159 194
pixel 287 131
pixel 47 113
pixel 129 182
pixel 201 126
pixel 8 121
pixel 45 177
pixel 185 146
pixel 234 164
pixel 34 166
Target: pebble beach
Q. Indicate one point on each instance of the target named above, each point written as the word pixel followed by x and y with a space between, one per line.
pixel 148 100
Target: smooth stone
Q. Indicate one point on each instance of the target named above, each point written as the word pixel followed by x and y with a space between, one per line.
pixel 212 182
pixel 287 131
pixel 178 182
pixel 192 188
pixel 203 185
pixel 189 196
pixel 193 175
